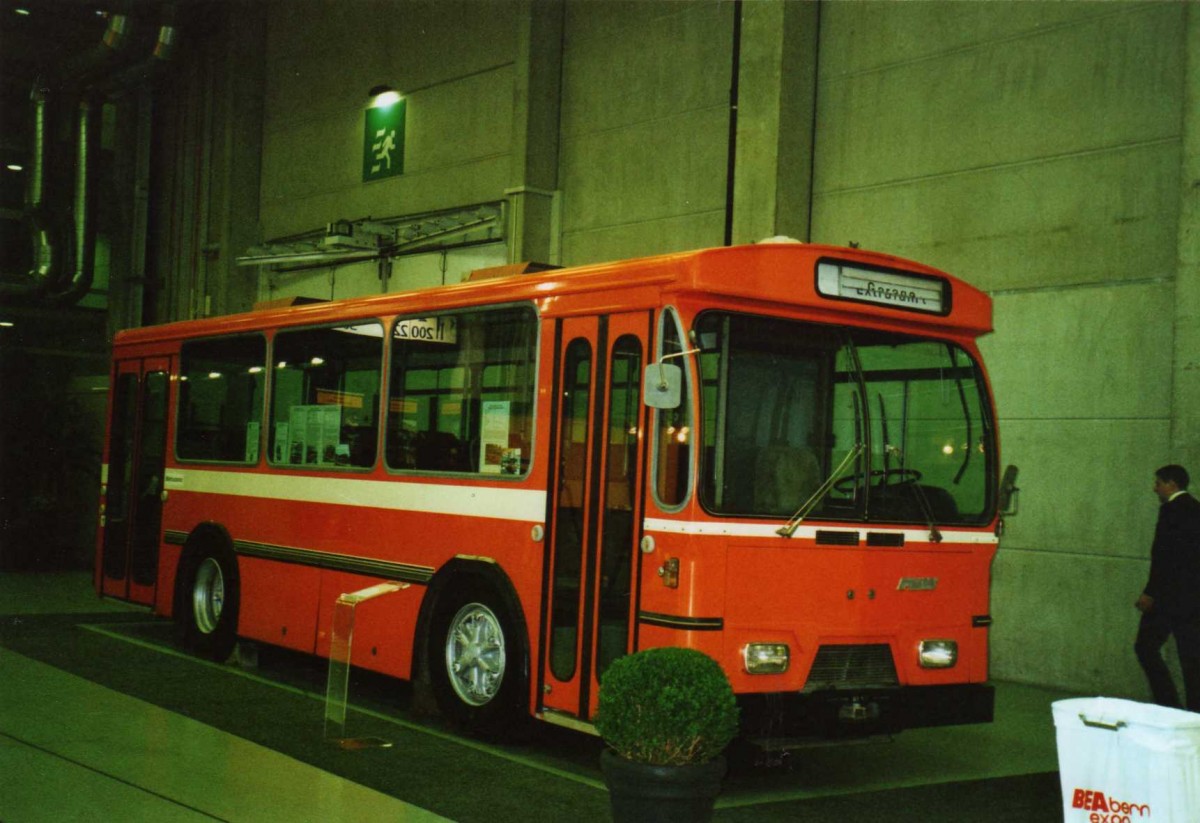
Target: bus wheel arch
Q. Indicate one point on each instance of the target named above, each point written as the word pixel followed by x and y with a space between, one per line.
pixel 474 648
pixel 208 593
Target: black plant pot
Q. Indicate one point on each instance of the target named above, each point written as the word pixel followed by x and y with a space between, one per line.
pixel 661 794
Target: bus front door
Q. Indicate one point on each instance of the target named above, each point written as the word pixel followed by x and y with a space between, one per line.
pixel 132 517
pixel 600 458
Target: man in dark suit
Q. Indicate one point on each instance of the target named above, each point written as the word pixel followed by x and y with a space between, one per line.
pixel 1170 603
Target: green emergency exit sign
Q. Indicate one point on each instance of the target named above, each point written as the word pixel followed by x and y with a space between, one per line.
pixel 383 141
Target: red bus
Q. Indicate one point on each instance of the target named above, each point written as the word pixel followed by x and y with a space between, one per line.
pixel 784 455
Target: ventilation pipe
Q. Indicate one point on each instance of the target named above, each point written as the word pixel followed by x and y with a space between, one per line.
pixel 96 61
pixel 45 232
pixel 146 69
pixel 51 272
pixel 64 246
pixel 87 143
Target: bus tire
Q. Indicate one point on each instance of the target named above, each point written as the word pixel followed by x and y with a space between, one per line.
pixel 206 603
pixel 477 661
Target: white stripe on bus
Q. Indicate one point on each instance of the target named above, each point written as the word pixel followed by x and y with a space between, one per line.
pixel 527 505
pixel 770 530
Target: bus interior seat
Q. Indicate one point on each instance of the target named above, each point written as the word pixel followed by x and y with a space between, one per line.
pixel 784 477
pixel 903 501
pixel 941 504
pixel 438 450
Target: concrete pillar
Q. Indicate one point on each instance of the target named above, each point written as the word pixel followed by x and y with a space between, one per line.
pixel 533 231
pixel 1185 395
pixel 241 87
pixel 777 68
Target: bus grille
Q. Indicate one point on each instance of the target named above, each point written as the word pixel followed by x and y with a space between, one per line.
pixel 852 666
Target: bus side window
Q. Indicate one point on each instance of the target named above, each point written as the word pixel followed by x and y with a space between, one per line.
pixel 325 396
pixel 221 399
pixel 673 428
pixel 461 391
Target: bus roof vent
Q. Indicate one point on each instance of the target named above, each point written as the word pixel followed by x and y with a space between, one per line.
pixel 510 270
pixel 286 302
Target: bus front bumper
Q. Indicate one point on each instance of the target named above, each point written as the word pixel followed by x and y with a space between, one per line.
pixel 833 714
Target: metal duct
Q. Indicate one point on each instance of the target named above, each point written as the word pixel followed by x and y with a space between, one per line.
pixel 64 249
pixel 84 208
pixel 52 246
pixel 35 194
pixel 164 44
pixel 46 234
pixel 45 231
pixel 85 67
pixel 161 51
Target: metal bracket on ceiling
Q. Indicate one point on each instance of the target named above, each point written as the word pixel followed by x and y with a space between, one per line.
pixel 345 241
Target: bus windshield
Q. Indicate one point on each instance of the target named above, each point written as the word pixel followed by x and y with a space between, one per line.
pixel 786 403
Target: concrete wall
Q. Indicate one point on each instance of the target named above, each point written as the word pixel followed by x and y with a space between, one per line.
pixel 645 127
pixel 453 61
pixel 640 145
pixel 1035 150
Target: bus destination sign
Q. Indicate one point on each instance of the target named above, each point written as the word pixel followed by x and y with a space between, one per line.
pixel 886 288
pixel 428 329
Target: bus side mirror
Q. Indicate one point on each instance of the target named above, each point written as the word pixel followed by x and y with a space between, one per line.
pixel 662 385
pixel 1009 493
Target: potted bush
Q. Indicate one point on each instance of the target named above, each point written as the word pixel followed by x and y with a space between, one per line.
pixel 666 715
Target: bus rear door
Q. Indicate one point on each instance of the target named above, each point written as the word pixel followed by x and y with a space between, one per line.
pixel 133 495
pixel 596 493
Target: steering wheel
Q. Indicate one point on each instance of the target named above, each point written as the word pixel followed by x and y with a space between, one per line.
pixel 845 485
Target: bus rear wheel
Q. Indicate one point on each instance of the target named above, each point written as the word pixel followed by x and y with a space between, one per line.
pixel 477 663
pixel 207 604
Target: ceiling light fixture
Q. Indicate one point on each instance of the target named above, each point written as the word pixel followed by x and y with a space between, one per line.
pixel 383 96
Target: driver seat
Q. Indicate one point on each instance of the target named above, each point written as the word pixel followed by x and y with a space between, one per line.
pixel 784 477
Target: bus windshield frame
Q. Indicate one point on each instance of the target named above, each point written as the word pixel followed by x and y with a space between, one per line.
pixel 785 402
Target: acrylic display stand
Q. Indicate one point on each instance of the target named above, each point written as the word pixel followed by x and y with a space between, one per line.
pixel 339 666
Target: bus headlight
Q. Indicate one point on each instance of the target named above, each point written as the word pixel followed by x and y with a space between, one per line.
pixel 765 658
pixel 938 654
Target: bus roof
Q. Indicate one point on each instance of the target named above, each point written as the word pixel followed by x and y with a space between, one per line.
pixel 840 284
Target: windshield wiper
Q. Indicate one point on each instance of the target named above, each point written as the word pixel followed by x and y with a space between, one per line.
pixel 962 398
pixel 822 490
pixel 935 536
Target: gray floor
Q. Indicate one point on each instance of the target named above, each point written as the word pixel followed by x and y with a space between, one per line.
pixel 74 750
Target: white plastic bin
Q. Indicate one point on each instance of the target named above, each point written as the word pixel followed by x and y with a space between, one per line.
pixel 1126 762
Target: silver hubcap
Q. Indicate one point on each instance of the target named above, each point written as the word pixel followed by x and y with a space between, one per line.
pixel 475 654
pixel 208 596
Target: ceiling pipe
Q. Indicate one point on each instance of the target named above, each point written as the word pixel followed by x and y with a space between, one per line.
pixel 44 235
pixel 162 50
pixel 46 220
pixel 64 247
pixel 54 254
pixel 68 292
pixel 83 270
pixel 86 66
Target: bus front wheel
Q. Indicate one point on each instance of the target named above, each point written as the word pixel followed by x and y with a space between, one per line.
pixel 207 604
pixel 477 662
